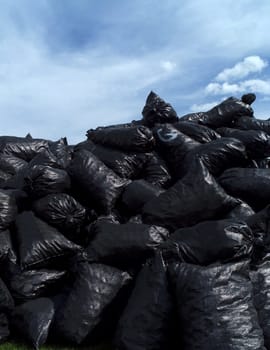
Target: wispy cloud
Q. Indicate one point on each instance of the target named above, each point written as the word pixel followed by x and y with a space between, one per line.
pixel 168 65
pixel 249 65
pixel 230 81
pixel 253 85
pixel 204 107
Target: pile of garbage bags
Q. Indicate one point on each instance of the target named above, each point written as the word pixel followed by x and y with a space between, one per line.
pixel 154 234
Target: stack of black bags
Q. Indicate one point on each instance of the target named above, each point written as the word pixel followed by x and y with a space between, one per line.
pixel 153 234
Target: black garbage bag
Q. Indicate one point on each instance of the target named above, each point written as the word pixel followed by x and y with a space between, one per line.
pixel 98 183
pixel 213 241
pixel 254 164
pixel 246 123
pixel 156 171
pixel 146 320
pixel 4 328
pixel 7 252
pixel 4 177
pixel 156 110
pixel 6 307
pixel 41 180
pixel 8 209
pixel 31 321
pixel 227 112
pixel 124 245
pixel 137 193
pixel 43 159
pixel 23 202
pixel 250 185
pixel 112 218
pixel 122 125
pixel 62 211
pixel 13 139
pixel 257 142
pixel 260 277
pixel 40 245
pixel 126 165
pixel 241 212
pixel 133 139
pixel 47 158
pixel 11 165
pixel 6 300
pixel 224 114
pixel 260 226
pixel 25 150
pixel 137 219
pixel 15 181
pixel 218 155
pixel 57 146
pixel 192 117
pixel 195 198
pixel 32 284
pixel 61 152
pixel 263 163
pixel 215 307
pixel 173 145
pixel 197 132
pixel 248 98
pixel 96 286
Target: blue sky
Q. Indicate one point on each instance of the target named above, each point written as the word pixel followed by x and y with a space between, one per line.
pixel 70 65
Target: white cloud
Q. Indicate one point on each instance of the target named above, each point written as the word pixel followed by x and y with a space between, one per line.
pixel 252 85
pixel 249 65
pixel 222 89
pixel 168 65
pixel 256 85
pixel 203 107
pixel 230 81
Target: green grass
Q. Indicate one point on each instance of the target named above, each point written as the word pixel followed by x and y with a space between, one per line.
pixel 15 346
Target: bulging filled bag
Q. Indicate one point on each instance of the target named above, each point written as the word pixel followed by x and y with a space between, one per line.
pixel 195 198
pixel 215 307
